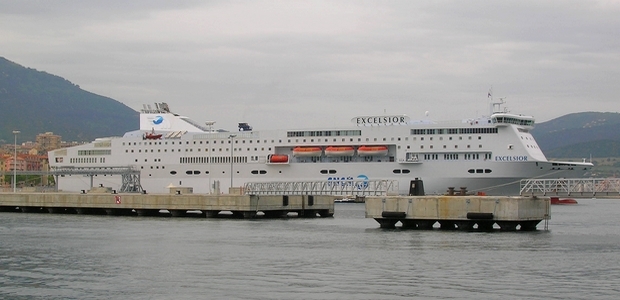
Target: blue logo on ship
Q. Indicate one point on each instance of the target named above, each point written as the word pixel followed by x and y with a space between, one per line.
pixel 158 120
pixel 362 185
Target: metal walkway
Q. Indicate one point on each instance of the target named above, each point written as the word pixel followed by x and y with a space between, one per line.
pixel 571 187
pixel 130 176
pixel 325 187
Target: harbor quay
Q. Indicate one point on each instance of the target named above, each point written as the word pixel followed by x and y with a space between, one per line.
pixel 177 205
pixel 509 213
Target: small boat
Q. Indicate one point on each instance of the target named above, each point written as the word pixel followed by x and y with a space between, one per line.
pixel 372 150
pixel 278 158
pixel 347 199
pixel 307 151
pixel 556 200
pixel 339 151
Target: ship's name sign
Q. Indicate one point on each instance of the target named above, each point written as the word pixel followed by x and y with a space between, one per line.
pixel 511 158
pixel 381 120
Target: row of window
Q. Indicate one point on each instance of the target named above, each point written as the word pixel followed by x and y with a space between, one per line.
pixel 509 120
pixel 94 152
pixel 197 172
pixel 280 141
pixel 263 172
pixel 103 144
pixel 453 156
pixel 445 147
pixel 214 160
pixel 478 130
pixel 479 171
pixel 86 160
pixel 324 133
pixel 395 171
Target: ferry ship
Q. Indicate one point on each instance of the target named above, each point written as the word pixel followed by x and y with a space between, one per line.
pixel 487 155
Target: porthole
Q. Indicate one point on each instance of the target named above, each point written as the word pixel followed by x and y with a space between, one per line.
pixel 173 172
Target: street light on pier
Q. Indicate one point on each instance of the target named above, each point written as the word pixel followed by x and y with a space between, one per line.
pixel 15 132
pixel 231 137
pixel 209 141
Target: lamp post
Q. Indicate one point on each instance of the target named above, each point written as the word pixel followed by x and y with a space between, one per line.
pixel 231 137
pixel 210 124
pixel 15 132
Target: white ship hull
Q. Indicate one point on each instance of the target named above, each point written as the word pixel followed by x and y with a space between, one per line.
pixel 489 155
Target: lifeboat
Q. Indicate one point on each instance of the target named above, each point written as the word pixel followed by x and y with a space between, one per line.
pixel 307 151
pixel 339 151
pixel 278 158
pixel 152 135
pixel 372 150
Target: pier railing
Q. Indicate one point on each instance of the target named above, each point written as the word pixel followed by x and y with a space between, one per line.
pixel 571 187
pixel 324 187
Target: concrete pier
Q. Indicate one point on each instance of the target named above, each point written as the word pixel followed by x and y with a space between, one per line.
pixel 459 212
pixel 176 205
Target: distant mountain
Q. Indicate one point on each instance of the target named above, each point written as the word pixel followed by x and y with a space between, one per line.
pixel 580 135
pixel 35 102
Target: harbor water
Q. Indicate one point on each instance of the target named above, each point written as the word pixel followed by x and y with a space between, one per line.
pixel 50 256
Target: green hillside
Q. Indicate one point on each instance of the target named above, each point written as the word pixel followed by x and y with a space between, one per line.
pixel 34 102
pixel 580 135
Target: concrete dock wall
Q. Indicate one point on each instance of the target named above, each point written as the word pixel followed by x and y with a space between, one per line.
pixel 459 212
pixel 211 205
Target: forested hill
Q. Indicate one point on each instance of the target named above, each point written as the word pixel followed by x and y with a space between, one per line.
pixel 34 102
pixel 580 135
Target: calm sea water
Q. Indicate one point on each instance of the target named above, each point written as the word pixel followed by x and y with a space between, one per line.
pixel 45 256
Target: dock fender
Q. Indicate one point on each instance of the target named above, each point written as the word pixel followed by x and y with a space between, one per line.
pixel 479 216
pixel 393 214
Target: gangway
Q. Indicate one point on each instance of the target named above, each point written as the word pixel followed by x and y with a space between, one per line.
pixel 571 187
pixel 323 187
pixel 130 175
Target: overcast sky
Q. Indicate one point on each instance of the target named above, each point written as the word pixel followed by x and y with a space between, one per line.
pixel 297 64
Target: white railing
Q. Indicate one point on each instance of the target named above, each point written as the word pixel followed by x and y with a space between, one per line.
pixel 571 187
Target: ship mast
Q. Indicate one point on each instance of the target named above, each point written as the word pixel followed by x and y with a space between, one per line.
pixel 495 106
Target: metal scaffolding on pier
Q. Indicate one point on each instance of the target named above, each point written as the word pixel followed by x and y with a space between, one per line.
pixel 571 187
pixel 323 187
